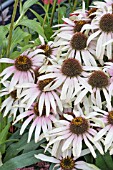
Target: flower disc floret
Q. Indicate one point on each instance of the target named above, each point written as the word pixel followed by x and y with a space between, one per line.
pixel 47 49
pixel 78 41
pixel 110 118
pixel 14 94
pixel 36 110
pixel 67 163
pixel 23 63
pixel 44 83
pixel 79 125
pixel 98 79
pixel 71 67
pixel 79 25
pixel 91 11
pixel 106 23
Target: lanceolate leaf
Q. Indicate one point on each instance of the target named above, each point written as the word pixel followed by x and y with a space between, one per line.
pixel 21 161
pixel 34 25
pixel 104 162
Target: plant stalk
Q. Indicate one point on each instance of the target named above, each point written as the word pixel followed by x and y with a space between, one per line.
pixel 11 27
pixel 53 12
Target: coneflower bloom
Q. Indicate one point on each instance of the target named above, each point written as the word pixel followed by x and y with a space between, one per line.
pixel 70 26
pixel 8 105
pixel 71 75
pixel 22 67
pixel 48 48
pixel 75 46
pixel 100 82
pixel 66 161
pixel 102 25
pixel 39 124
pixel 107 131
pixel 35 92
pixel 74 129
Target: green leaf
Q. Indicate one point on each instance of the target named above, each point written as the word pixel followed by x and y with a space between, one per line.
pixel 4 133
pixel 18 36
pixel 38 16
pixel 34 25
pixel 3 32
pixel 28 4
pixel 48 32
pixel 104 162
pixel 21 161
pixel 1 160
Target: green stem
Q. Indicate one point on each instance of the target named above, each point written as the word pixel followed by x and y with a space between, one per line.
pixel 75 4
pixel 46 15
pixel 58 14
pixel 53 11
pixel 11 27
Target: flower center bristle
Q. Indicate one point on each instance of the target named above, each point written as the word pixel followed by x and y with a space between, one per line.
pixel 47 49
pixel 44 83
pixel 91 11
pixel 106 23
pixel 36 110
pixel 98 79
pixel 71 67
pixel 14 94
pixel 110 118
pixel 78 41
pixel 79 25
pixel 67 163
pixel 23 63
pixel 79 125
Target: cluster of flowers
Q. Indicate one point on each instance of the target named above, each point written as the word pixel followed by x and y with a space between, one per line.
pixel 64 89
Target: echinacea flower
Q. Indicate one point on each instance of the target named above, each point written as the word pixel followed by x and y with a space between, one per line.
pixel 107 131
pixel 70 75
pixel 22 67
pixel 102 26
pixel 48 48
pixel 100 82
pixel 38 123
pixel 74 129
pixel 70 26
pixel 75 46
pixel 35 92
pixel 8 105
pixel 67 163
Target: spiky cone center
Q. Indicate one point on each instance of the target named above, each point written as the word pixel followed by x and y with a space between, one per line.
pixel 23 63
pixel 14 94
pixel 79 25
pixel 78 41
pixel 91 11
pixel 47 49
pixel 44 83
pixel 79 125
pixel 110 117
pixel 67 163
pixel 36 110
pixel 71 67
pixel 106 23
pixel 98 79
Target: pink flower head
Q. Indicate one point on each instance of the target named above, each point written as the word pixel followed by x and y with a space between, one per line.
pixel 21 69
